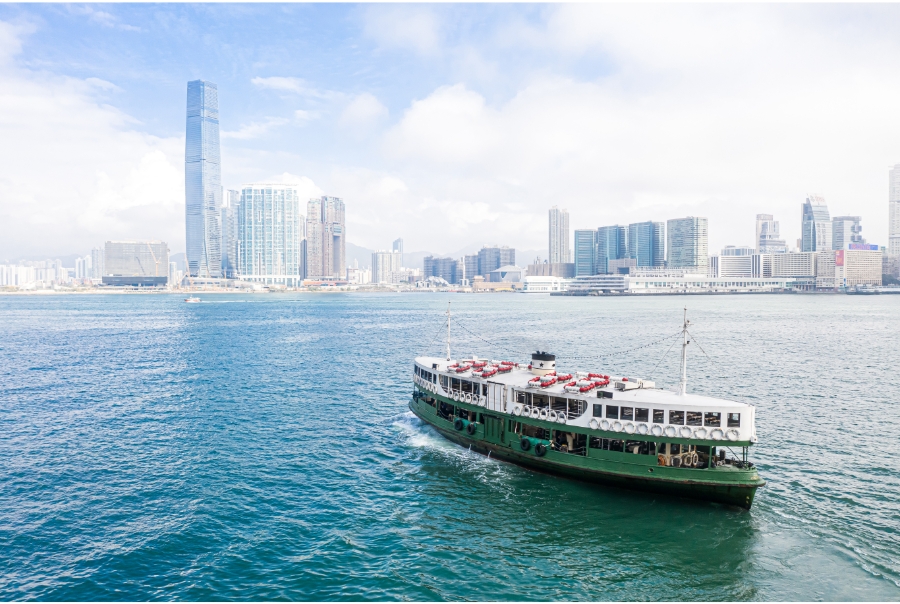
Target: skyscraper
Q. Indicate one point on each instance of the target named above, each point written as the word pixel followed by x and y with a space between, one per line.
pixel 398 247
pixel 492 258
pixel 768 238
pixel 611 245
pixel 447 269
pixel 325 238
pixel 687 244
pixel 647 243
pixel 559 236
pixel 585 252
pixel 816 225
pixel 230 234
pixel 894 211
pixel 385 265
pixel 845 230
pixel 469 266
pixel 270 234
pixel 202 181
pixel 97 263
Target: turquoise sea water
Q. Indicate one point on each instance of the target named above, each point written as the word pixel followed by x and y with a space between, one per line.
pixel 260 447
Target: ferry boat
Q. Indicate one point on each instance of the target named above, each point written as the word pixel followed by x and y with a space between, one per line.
pixel 192 300
pixel 590 426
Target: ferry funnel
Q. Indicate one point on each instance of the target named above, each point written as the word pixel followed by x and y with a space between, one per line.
pixel 542 363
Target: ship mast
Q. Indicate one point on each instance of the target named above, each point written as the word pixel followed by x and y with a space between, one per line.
pixel 448 331
pixel 684 345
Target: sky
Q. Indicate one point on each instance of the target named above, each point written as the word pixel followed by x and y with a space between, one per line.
pixel 449 125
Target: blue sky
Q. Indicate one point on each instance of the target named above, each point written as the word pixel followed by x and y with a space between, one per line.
pixel 449 125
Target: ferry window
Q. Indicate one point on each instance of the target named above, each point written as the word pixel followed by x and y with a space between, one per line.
pixel 416 368
pixel 694 418
pixel 641 415
pixel 676 417
pixel 444 381
pixel 540 400
pixel 454 383
pixel 616 445
pixel 628 413
pixel 659 416
pixel 612 412
pixel 651 449
pixel 604 394
pixel 598 410
pixel 674 449
pixel 712 419
pixel 633 446
pixel 484 389
pixel 734 420
pixel 595 443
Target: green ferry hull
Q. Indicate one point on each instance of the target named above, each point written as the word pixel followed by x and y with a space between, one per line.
pixel 728 488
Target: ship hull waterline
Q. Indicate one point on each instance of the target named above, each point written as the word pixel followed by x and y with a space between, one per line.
pixel 732 494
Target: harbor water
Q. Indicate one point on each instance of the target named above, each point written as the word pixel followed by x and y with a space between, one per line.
pixel 260 447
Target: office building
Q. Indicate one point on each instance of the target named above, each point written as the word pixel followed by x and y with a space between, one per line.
pixel 611 246
pixel 844 231
pixel 447 269
pixel 734 261
pixel 270 234
pixel 398 247
pixel 815 225
pixel 687 244
pixel 585 252
pixel 96 263
pixel 800 267
pixel 768 236
pixel 229 221
pixel 469 266
pixel 559 236
pixel 646 243
pixel 894 211
pixel 202 181
pixel 136 263
pixel 563 270
pixel 385 265
pixel 492 258
pixel 326 242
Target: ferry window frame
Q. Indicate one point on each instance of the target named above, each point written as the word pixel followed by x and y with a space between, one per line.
pixel 641 414
pixel 712 419
pixel 598 410
pixel 693 418
pixel 676 418
pixel 659 416
pixel 626 414
pixel 734 420
pixel 612 412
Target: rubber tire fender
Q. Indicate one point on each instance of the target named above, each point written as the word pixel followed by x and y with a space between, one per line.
pixel 471 427
pixel 458 424
pixel 540 449
pixel 525 444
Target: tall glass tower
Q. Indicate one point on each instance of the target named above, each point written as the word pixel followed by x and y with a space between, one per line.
pixel 816 225
pixel 202 181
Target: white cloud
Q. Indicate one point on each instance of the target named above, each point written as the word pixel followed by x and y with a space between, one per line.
pixel 255 129
pixel 363 111
pixel 403 26
pixel 78 173
pixel 296 86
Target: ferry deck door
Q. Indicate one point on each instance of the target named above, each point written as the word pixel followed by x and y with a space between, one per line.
pixel 495 397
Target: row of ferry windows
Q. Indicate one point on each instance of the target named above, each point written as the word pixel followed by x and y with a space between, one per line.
pixel 677 418
pixel 425 375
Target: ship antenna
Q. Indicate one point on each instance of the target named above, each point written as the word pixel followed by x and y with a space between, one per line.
pixel 684 344
pixel 448 332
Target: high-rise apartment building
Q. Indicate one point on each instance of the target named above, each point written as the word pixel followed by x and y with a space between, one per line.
pixel 687 245
pixel 398 247
pixel 844 231
pixel 270 234
pixel 816 225
pixel 385 265
pixel 646 243
pixel 230 234
pixel 611 245
pixel 325 238
pixel 469 266
pixel 447 269
pixel 894 211
pixel 492 258
pixel 585 252
pixel 559 236
pixel 202 181
pixel 136 263
pixel 96 263
pixel 768 237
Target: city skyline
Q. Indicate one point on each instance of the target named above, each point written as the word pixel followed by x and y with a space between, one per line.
pixel 443 140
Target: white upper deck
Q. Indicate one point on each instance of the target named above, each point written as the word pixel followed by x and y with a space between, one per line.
pixel 618 403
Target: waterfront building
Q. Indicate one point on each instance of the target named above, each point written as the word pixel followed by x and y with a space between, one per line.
pixel 585 252
pixel 447 269
pixel 663 281
pixel 816 225
pixel 768 236
pixel 96 264
pixel 646 243
pixel 762 265
pixel 825 270
pixel 270 234
pixel 506 274
pixel 358 276
pixel 559 236
pixel 229 221
pixel 687 244
pixel 202 181
pixel 859 264
pixel 563 270
pixel 492 258
pixel 844 231
pixel 385 265
pixel 894 211
pixel 325 238
pixel 622 266
pixel 136 263
pixel 469 266
pixel 543 285
pixel 611 245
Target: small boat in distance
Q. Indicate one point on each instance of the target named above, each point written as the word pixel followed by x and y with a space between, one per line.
pixel 192 299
